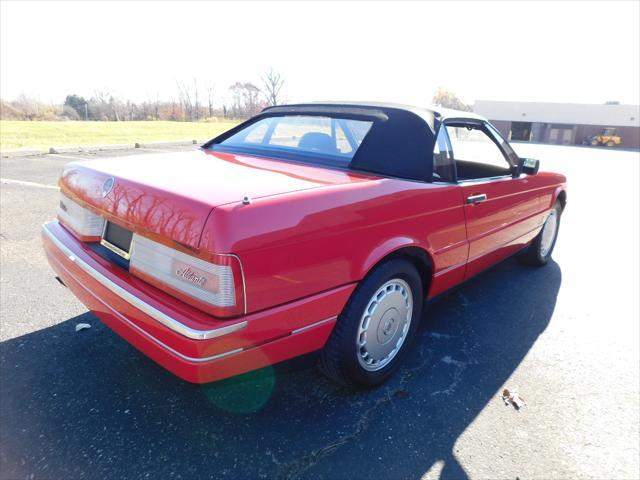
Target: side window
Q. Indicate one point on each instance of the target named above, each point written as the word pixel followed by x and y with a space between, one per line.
pixel 513 156
pixel 443 169
pixel 476 154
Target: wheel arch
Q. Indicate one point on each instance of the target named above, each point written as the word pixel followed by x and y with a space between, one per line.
pixel 408 250
pixel 560 196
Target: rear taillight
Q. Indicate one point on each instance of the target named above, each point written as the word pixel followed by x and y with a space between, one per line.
pixel 85 224
pixel 214 286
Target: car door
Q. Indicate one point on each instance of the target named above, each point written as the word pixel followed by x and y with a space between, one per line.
pixel 498 207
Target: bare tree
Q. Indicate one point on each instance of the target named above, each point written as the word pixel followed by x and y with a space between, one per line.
pixel 272 83
pixel 185 99
pixel 99 108
pixel 236 91
pixel 174 113
pixel 245 99
pixel 195 88
pixel 210 99
pixel 29 107
pixel 250 95
pixel 157 106
pixel 114 105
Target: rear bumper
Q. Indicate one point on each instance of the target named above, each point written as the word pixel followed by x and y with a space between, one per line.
pixel 191 344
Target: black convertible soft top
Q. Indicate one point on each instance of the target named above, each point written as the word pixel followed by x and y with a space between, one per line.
pixel 399 144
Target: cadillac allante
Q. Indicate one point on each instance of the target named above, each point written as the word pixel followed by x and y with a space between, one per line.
pixel 308 227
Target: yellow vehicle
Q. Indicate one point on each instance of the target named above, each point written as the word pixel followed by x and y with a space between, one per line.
pixel 608 137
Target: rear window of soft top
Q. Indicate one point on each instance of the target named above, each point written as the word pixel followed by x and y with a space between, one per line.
pixel 308 136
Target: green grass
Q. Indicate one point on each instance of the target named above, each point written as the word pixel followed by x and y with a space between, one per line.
pixel 25 135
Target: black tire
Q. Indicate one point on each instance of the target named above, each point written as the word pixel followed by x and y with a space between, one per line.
pixel 533 254
pixel 339 359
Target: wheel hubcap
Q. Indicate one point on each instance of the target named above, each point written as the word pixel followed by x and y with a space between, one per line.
pixel 384 324
pixel 548 233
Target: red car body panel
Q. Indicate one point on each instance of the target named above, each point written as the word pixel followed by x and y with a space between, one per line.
pixel 270 336
pixel 305 239
pixel 512 215
pixel 171 197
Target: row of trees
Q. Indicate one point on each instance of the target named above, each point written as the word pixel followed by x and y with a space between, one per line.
pixel 192 103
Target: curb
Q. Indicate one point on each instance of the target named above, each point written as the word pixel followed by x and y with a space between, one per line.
pixel 96 148
pixel 22 153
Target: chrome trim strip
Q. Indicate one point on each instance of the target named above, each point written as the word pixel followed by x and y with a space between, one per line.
pixel 141 305
pixel 470 259
pixel 307 327
pixel 114 249
pixel 476 257
pixel 485 179
pixel 450 268
pixel 148 335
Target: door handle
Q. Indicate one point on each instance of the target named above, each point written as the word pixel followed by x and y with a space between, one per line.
pixel 477 198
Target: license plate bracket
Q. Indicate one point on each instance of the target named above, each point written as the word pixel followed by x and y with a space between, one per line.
pixel 117 239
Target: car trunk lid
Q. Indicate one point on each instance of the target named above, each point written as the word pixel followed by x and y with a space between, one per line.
pixel 172 194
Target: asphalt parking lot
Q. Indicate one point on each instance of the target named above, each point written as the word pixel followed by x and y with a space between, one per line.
pixel 566 337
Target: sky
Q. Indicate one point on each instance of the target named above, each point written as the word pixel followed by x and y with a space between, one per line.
pixel 582 52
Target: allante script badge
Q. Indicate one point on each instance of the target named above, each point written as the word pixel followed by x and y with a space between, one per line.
pixel 196 277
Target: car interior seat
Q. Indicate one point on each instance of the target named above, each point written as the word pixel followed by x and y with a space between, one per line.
pixel 318 142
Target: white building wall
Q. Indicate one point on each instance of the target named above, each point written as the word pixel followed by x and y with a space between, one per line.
pixel 569 113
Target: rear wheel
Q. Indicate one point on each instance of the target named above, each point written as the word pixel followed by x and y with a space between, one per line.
pixel 376 327
pixel 610 143
pixel 541 248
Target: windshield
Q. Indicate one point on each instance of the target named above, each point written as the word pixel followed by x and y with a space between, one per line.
pixel 335 140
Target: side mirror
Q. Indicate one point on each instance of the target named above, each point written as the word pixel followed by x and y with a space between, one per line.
pixel 529 166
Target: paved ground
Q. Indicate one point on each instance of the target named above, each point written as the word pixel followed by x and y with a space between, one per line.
pixel 87 405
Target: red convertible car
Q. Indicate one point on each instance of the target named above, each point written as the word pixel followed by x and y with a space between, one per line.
pixel 308 227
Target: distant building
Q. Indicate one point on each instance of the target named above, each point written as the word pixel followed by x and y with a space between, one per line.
pixel 562 123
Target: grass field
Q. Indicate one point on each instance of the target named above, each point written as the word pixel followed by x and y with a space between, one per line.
pixel 24 135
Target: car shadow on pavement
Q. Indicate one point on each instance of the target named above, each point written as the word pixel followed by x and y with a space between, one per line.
pixel 88 405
